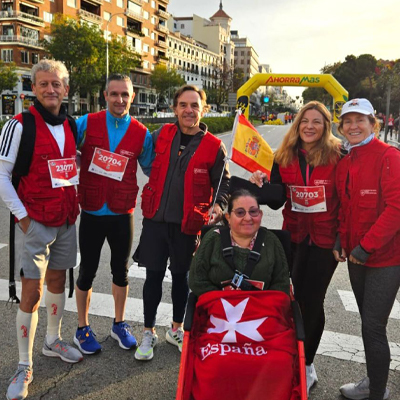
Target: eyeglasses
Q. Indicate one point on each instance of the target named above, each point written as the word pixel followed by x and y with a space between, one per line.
pixel 241 212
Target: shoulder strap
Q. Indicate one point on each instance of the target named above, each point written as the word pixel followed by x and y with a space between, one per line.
pixel 74 129
pixel 255 253
pixel 227 248
pixel 27 144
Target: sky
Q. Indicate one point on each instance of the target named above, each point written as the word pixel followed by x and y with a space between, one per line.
pixel 302 36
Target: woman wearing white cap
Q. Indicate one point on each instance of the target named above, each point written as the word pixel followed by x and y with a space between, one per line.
pixel 368 185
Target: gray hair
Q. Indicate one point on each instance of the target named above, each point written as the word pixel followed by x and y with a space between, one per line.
pixel 50 66
pixel 118 77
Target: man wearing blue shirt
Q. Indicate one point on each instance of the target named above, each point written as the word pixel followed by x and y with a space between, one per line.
pixel 112 143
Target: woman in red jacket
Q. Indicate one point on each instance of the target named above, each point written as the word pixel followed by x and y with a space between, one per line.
pixel 368 185
pixel 305 165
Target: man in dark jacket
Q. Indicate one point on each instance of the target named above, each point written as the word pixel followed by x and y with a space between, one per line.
pixel 176 203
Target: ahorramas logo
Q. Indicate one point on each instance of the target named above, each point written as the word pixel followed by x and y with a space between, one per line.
pixel 200 171
pixel 322 182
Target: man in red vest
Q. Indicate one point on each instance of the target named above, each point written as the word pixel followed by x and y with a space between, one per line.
pixel 45 206
pixel 112 143
pixel 176 203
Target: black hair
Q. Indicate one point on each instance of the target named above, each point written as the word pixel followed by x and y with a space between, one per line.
pixel 240 193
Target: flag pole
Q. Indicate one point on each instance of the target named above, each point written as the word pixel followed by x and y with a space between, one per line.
pixel 226 159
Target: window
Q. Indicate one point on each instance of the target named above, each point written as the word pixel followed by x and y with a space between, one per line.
pixel 146 31
pixel 153 20
pixel 106 16
pixel 7 55
pixel 142 97
pixel 35 58
pixel 47 17
pixel 120 21
pixel 242 53
pixel 120 3
pixel 153 4
pixel 146 15
pixel 71 3
pixel 152 51
pixel 153 36
pixel 146 64
pixel 146 48
pixel 24 57
pixel 182 26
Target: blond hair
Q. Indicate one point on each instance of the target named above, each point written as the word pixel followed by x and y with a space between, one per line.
pixel 325 152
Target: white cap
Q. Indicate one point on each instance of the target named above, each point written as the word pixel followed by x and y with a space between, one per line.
pixel 362 106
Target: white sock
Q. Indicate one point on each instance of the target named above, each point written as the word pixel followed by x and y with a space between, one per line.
pixel 55 304
pixel 26 329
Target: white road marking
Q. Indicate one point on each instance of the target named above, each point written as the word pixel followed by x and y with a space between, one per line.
pixel 103 305
pixel 350 304
pixel 351 348
pixel 3 245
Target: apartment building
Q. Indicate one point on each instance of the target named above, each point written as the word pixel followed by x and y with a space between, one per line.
pixel 193 61
pixel 24 22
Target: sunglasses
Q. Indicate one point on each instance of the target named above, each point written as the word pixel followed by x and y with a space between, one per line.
pixel 241 212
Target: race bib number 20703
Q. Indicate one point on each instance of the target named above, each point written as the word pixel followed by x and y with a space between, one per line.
pixel 308 199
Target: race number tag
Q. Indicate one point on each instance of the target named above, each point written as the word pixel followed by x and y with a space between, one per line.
pixel 108 164
pixel 308 199
pixel 63 172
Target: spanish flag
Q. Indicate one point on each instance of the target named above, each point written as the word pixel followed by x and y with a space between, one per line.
pixel 249 149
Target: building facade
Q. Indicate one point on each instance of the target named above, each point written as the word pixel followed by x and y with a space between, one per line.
pixel 24 23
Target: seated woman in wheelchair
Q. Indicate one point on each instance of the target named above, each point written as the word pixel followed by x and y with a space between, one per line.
pixel 242 256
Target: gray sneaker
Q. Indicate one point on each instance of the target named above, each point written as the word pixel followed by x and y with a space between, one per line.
pixel 145 350
pixel 359 390
pixel 175 337
pixel 18 388
pixel 63 350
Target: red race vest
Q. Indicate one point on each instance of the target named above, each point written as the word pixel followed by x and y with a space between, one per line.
pixel 198 190
pixel 47 205
pixel 321 226
pixel 95 190
pixel 363 203
pixel 242 346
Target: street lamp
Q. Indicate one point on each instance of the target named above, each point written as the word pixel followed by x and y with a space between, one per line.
pixel 109 20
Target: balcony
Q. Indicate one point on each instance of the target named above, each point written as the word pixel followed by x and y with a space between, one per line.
pixel 90 16
pixel 136 33
pixel 20 40
pixel 162 29
pixel 95 2
pixel 162 44
pixel 37 1
pixel 163 14
pixel 21 16
pixel 161 59
pixel 164 1
pixel 140 2
pixel 135 16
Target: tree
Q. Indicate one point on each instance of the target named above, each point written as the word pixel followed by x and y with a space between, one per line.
pixel 8 76
pixel 81 48
pixel 122 59
pixel 237 79
pixel 219 93
pixel 165 81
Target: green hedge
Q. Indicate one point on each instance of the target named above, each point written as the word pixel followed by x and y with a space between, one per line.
pixel 215 124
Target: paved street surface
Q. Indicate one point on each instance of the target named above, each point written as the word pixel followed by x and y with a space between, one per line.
pixel 115 374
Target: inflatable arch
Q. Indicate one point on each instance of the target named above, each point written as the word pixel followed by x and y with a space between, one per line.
pixel 327 81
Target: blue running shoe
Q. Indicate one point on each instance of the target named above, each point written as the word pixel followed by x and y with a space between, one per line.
pixel 121 333
pixel 86 341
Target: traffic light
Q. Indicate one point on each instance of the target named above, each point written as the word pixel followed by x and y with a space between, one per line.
pixel 266 99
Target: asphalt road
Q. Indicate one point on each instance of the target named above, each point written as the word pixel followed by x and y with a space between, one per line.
pixel 115 374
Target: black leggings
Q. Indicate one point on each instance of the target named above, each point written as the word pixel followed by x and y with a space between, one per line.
pixel 93 230
pixel 375 290
pixel 152 292
pixel 311 271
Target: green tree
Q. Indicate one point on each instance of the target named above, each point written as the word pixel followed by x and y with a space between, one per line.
pixel 81 48
pixel 122 59
pixel 165 81
pixel 8 76
pixel 237 79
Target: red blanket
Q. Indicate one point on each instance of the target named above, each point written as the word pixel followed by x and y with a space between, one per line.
pixel 243 347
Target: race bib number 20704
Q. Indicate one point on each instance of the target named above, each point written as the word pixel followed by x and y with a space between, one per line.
pixel 108 164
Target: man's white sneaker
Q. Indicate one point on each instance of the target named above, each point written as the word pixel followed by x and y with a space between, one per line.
pixel 18 388
pixel 175 337
pixel 145 351
pixel 312 377
pixel 359 390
